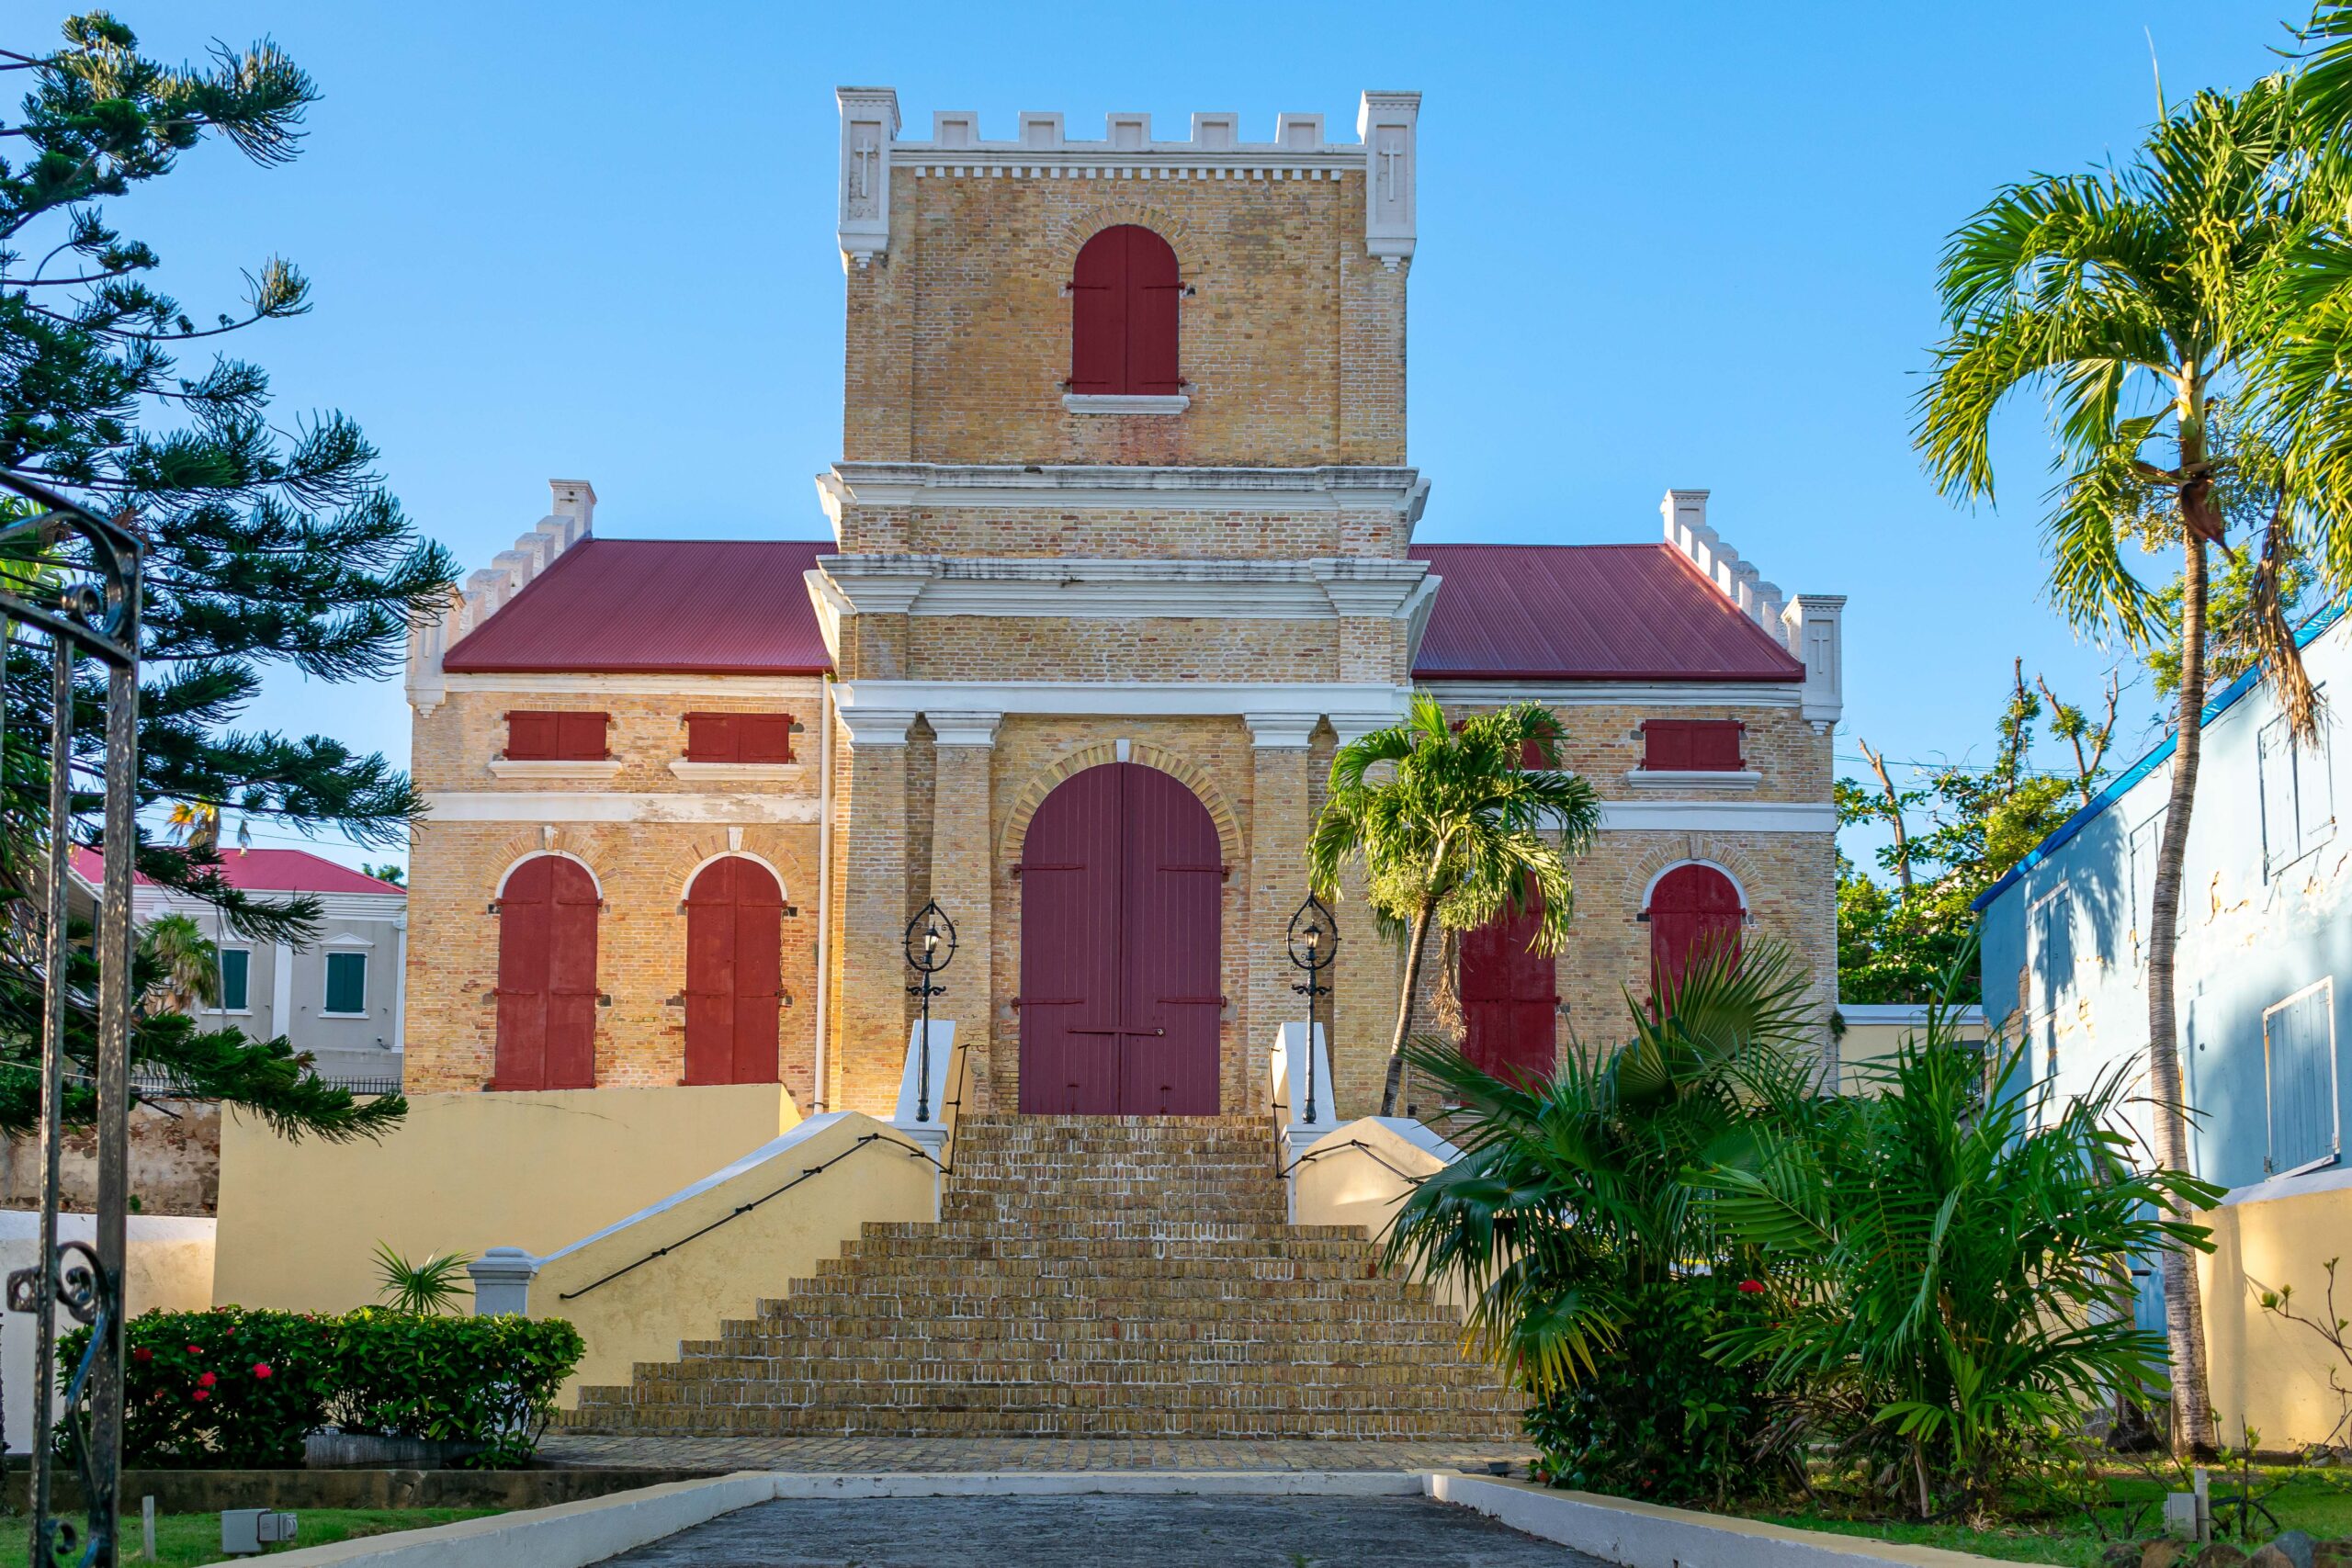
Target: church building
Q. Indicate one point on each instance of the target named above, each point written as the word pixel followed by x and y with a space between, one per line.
pixel 1121 545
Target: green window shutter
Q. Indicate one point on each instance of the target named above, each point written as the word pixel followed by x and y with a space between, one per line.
pixel 346 982
pixel 236 970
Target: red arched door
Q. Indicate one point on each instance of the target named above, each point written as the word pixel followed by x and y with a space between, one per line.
pixel 734 972
pixel 1511 997
pixel 1120 884
pixel 547 976
pixel 1693 909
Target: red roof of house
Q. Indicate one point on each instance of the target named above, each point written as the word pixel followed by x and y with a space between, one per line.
pixel 265 871
pixel 659 607
pixel 1587 612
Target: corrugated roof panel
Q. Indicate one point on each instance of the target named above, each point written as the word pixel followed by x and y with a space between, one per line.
pixel 1587 612
pixel 265 871
pixel 659 607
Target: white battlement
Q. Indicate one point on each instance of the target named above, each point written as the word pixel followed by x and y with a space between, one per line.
pixel 571 516
pixel 1041 148
pixel 1810 628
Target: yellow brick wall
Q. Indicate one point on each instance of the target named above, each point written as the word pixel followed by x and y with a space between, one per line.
pixel 1020 648
pixel 451 748
pixel 1292 338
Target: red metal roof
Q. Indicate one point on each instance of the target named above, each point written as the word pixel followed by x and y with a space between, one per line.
pixel 659 607
pixel 1587 612
pixel 265 871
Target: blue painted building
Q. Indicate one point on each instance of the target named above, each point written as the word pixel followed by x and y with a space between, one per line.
pixel 2265 960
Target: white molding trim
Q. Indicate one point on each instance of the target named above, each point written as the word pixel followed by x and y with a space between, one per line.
pixel 887 703
pixel 585 806
pixel 963 726
pixel 500 890
pixel 738 772
pixel 527 684
pixel 550 771
pixel 1125 403
pixel 1718 817
pixel 1328 487
pixel 1715 865
pixel 1322 589
pixel 1281 731
pixel 388 907
pixel 875 726
pixel 1618 693
pixel 1692 778
pixel 346 940
pixel 783 890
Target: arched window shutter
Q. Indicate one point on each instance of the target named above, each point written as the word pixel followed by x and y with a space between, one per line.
pixel 734 973
pixel 1123 313
pixel 546 977
pixel 1694 909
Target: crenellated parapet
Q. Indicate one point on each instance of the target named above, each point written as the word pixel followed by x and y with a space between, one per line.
pixel 571 514
pixel 1811 627
pixel 1383 157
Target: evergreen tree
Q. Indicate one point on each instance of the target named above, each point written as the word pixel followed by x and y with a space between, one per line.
pixel 268 544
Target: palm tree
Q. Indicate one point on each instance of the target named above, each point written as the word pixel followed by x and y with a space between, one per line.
pixel 2129 298
pixel 1465 823
pixel 188 962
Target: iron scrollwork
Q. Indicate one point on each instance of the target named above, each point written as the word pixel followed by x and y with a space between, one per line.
pixel 1314 943
pixel 79 574
pixel 930 945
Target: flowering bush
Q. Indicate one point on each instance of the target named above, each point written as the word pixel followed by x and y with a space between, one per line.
pixel 242 1389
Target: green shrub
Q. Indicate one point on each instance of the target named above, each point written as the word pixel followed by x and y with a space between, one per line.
pixel 1659 1418
pixel 462 1379
pixel 242 1389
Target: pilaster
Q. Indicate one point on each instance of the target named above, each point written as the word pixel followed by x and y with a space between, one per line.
pixel 1365 978
pixel 962 880
pixel 870 792
pixel 1277 826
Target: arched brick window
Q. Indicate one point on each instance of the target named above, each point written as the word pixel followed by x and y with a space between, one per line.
pixel 1123 315
pixel 734 972
pixel 1692 908
pixel 547 976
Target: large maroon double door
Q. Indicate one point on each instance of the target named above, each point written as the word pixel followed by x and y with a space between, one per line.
pixel 1120 884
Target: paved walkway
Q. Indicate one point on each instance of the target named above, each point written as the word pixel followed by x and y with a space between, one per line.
pixel 962 1455
pixel 1091 1531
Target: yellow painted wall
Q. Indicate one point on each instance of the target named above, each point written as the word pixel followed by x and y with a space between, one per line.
pixel 642 1315
pixel 300 1221
pixel 1865 1044
pixel 1337 1184
pixel 2265 1371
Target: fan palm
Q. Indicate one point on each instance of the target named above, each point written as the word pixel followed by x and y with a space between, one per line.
pixel 187 962
pixel 1463 823
pixel 2130 299
pixel 1573 1192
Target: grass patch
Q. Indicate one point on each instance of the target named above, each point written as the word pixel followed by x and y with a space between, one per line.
pixel 2316 1501
pixel 184 1540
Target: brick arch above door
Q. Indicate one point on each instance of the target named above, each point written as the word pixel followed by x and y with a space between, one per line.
pixel 1045 781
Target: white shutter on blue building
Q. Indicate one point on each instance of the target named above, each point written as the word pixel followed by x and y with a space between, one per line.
pixel 2299 1070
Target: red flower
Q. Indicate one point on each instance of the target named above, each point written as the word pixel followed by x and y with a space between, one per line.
pixel 261 1368
pixel 207 1380
pixel 1751 1287
pixel 195 1349
pixel 203 1394
pixel 143 1354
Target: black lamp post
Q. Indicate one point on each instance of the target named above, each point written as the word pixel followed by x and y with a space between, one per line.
pixel 931 947
pixel 1313 943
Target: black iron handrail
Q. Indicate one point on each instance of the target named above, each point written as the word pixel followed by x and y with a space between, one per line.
pixel 740 1209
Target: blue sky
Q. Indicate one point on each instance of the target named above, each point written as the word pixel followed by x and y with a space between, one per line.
pixel 1686 247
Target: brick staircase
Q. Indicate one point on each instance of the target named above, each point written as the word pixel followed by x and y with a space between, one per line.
pixel 1087 1276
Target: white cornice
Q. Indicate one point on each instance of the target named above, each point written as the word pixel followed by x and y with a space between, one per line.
pixel 1718 817
pixel 553 771
pixel 1616 693
pixel 1121 590
pixel 1693 778
pixel 738 772
pixel 590 805
pixel 641 685
pixel 1369 703
pixel 1331 488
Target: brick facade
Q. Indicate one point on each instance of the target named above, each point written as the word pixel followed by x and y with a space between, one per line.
pixel 1263 609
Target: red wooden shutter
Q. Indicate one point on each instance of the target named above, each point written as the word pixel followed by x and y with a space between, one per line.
pixel 1693 909
pixel 1511 997
pixel 555 737
pixel 734 973
pixel 710 737
pixel 1098 333
pixel 530 736
pixel 1153 288
pixel 546 977
pixel 580 736
pixel 1691 745
pixel 767 737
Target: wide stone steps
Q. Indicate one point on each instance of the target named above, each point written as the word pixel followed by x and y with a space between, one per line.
pixel 1087 1276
